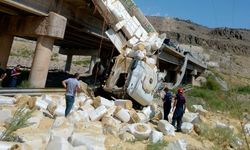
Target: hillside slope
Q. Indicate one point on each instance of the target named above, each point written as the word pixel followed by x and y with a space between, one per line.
pixel 220 44
pixel 186 32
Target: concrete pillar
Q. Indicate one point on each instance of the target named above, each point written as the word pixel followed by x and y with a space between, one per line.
pixel 6 41
pixel 68 63
pixel 177 76
pixel 192 79
pixel 92 64
pixel 193 74
pixel 41 60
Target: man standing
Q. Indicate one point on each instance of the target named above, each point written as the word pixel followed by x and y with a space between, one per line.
pixel 14 75
pixel 73 85
pixel 167 103
pixel 179 110
pixel 2 74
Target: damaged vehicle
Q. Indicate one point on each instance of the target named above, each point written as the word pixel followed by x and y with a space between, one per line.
pixel 134 72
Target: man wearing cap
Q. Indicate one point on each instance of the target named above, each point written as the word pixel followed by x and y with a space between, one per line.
pixel 72 85
pixel 167 103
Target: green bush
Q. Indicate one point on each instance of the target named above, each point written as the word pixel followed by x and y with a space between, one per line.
pixel 25 84
pixel 212 99
pixel 157 146
pixel 243 90
pixel 22 52
pixel 82 62
pixel 18 121
pixel 212 85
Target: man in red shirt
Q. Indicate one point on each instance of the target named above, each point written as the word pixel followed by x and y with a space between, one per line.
pixel 179 110
pixel 14 75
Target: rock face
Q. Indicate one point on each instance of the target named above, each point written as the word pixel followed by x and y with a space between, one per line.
pixel 186 32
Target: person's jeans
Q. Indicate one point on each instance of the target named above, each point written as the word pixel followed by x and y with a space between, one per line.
pixel 178 114
pixel 166 109
pixel 13 83
pixel 69 103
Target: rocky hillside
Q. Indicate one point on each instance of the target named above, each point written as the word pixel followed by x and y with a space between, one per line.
pixel 220 44
pixel 187 32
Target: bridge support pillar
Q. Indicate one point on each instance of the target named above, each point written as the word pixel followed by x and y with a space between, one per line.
pixel 41 60
pixel 177 75
pixel 68 63
pixel 6 41
pixel 92 64
pixel 193 74
pixel 192 79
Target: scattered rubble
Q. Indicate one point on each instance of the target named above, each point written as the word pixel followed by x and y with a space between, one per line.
pixel 99 123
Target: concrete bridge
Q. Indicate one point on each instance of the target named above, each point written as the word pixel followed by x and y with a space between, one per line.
pixel 75 26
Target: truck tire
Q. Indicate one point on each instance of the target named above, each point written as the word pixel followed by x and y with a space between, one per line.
pixel 101 70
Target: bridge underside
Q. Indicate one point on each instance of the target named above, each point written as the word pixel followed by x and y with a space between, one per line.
pixel 74 25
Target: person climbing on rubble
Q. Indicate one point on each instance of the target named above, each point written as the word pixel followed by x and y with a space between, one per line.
pixel 167 103
pixel 13 75
pixel 179 110
pixel 72 85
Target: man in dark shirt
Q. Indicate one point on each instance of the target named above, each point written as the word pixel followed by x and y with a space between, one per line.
pixel 2 74
pixel 14 75
pixel 167 103
pixel 179 110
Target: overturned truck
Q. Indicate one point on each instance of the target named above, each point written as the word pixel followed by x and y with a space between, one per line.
pixel 134 73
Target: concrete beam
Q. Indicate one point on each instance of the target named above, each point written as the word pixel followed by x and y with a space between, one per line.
pixel 82 15
pixel 9 11
pixel 6 41
pixel 85 52
pixel 36 8
pixel 53 26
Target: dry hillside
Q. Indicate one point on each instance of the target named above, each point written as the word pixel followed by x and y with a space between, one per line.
pixel 220 44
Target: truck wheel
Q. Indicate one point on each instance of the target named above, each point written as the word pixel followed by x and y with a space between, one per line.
pixel 101 70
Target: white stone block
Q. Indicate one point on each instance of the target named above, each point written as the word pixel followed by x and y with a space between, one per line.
pixel 60 111
pixel 140 134
pixel 47 98
pixel 179 144
pixel 6 145
pixel 58 143
pixel 136 53
pixel 166 128
pixel 119 25
pixel 35 140
pixel 126 15
pixel 59 121
pixel 35 122
pixel 152 38
pixel 155 136
pixel 64 132
pixel 80 148
pixel 119 44
pixel 123 115
pixel 138 33
pixel 132 41
pixel 5 114
pixel 90 139
pixel 118 5
pixel 98 113
pixel 187 127
pixel 138 24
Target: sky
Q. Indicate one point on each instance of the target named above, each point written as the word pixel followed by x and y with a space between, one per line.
pixel 210 13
